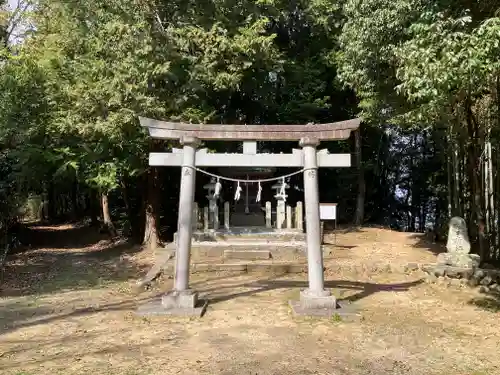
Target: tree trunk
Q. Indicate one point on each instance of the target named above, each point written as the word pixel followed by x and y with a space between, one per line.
pixel 360 201
pixel 151 237
pixel 457 206
pixel 52 204
pixel 75 206
pixel 475 179
pixel 423 216
pixel 94 212
pixel 449 175
pixel 491 196
pixel 488 193
pixel 128 207
pixel 108 223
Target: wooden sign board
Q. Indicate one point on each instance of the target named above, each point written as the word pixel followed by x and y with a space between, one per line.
pixel 328 211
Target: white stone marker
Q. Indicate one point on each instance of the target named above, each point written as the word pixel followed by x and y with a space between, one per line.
pixel 195 216
pixel 226 215
pixel 289 217
pixel 206 219
pixel 269 215
pixel 299 216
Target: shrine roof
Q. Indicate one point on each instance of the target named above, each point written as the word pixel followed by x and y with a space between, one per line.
pixel 177 130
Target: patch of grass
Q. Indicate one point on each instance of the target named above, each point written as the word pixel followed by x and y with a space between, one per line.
pixel 336 318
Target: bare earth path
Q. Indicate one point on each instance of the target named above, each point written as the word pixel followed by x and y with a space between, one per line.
pixel 67 307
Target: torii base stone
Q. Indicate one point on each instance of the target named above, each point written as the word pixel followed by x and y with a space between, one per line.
pixel 184 303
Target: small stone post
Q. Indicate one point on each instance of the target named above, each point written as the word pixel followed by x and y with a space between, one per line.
pixel 281 203
pixel 205 219
pixel 280 214
pixel 195 216
pixel 268 215
pixel 315 296
pixel 216 216
pixel 226 215
pixel 299 212
pixel 289 217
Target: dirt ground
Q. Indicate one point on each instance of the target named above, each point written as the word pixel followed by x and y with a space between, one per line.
pixel 68 307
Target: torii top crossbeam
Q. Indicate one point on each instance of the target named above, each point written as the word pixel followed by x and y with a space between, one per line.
pixel 177 130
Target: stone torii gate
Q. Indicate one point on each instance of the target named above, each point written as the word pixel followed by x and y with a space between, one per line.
pixel 184 301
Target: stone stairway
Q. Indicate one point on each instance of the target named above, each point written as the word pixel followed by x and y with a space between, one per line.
pixel 248 244
pixel 239 250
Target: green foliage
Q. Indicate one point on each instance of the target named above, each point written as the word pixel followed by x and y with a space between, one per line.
pixel 73 89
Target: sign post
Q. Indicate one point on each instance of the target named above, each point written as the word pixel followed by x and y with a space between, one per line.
pixel 328 211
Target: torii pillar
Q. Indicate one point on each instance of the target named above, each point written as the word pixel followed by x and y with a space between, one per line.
pixel 314 300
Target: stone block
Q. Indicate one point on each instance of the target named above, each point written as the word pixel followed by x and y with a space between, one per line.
pixel 312 300
pixel 487 280
pixel 250 255
pixel 484 289
pixel 176 299
pixel 155 308
pixel 460 260
pixel 175 303
pixel 479 274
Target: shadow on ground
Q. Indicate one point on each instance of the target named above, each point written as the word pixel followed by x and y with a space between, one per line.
pixel 21 314
pixel 489 302
pixel 365 289
pixel 67 259
pixel 422 241
pixel 64 236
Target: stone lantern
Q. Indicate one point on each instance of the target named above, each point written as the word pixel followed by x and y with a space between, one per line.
pixel 281 201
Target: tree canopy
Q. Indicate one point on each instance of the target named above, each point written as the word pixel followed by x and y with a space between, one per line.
pixel 424 76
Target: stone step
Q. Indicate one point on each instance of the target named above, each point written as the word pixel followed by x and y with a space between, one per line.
pixel 245 254
pixel 272 267
pixel 245 250
pixel 247 234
